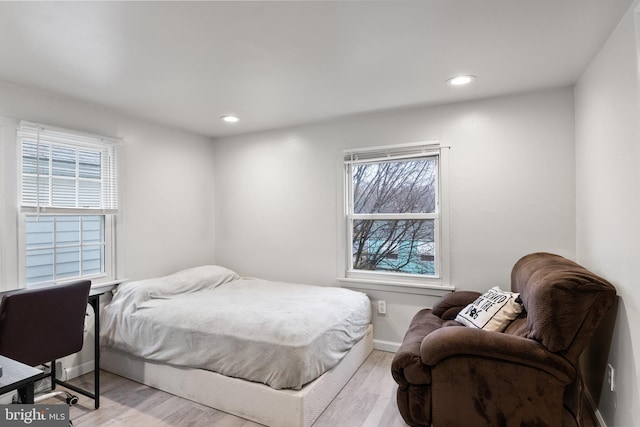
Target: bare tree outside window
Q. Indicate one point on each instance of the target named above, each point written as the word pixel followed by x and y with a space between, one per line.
pixel 392 203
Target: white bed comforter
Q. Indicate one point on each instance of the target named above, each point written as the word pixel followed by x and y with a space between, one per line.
pixel 281 334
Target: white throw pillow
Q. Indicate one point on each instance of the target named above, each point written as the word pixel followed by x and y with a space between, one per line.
pixel 492 311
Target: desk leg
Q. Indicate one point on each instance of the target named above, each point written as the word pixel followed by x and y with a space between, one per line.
pixel 26 393
pixel 95 303
pixel 94 300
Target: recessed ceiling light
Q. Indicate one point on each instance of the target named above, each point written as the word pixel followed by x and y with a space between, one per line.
pixel 230 119
pixel 461 80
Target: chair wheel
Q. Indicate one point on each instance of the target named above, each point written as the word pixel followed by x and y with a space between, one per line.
pixel 72 400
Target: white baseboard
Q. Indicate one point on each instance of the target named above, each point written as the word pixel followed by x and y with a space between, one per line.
pixel 390 346
pixel 68 373
pixel 63 373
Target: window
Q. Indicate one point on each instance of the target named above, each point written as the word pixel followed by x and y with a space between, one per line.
pixel 394 217
pixel 68 201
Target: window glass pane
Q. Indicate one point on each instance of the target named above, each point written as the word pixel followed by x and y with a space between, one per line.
pixel 39 266
pixel 32 160
pixel 394 246
pixel 407 186
pixel 29 155
pixel 63 161
pixel 39 232
pixel 63 193
pixel 67 230
pixel 92 257
pixel 67 262
pixel 89 164
pixel 89 194
pixel 92 230
pixel 31 194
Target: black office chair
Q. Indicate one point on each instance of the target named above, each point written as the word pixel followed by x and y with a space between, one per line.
pixel 38 326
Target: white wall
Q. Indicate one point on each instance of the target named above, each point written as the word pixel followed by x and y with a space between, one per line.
pixel 608 201
pixel 168 200
pixel 512 192
pixel 167 182
pixel 166 221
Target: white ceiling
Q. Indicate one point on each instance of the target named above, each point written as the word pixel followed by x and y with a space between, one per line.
pixel 277 64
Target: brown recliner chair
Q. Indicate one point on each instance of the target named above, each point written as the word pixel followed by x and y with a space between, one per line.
pixel 528 375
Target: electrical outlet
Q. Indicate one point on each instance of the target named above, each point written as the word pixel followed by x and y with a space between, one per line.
pixel 611 377
pixel 382 307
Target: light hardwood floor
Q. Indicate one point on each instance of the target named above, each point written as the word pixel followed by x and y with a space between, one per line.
pixel 368 399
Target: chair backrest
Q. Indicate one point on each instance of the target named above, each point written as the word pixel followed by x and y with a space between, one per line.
pixel 40 325
pixel 563 301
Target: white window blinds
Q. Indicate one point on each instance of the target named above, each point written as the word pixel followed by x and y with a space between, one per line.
pixel 67 172
pixel 392 152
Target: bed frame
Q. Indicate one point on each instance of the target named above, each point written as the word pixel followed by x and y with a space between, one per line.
pixel 253 401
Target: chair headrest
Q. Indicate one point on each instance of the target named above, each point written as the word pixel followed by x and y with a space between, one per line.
pixel 562 299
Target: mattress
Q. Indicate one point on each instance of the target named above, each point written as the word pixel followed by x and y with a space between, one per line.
pixel 280 334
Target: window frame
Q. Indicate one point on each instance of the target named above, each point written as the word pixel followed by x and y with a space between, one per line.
pixel 385 280
pixel 107 210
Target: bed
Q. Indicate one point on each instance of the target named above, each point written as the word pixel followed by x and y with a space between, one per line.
pixel 272 352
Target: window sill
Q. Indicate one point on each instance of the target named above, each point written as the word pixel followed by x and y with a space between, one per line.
pixel 107 285
pixel 96 287
pixel 395 286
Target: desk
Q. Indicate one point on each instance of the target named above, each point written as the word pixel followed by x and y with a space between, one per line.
pixel 18 376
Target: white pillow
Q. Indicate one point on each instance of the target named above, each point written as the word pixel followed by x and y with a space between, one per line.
pixel 492 311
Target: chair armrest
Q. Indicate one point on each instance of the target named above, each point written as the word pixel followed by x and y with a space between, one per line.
pixel 451 304
pixel 472 342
